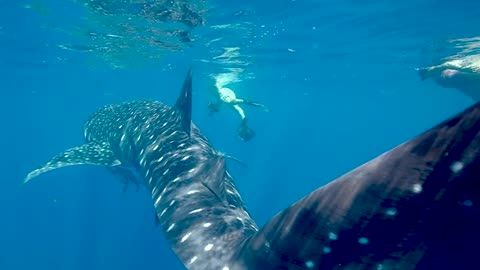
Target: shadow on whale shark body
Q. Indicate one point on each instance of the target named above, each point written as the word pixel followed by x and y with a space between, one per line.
pixel 416 206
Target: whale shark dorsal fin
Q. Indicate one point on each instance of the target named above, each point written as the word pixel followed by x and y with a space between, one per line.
pixel 184 103
pixel 90 153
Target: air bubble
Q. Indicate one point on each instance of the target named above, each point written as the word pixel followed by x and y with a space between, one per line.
pixel 363 241
pixel 468 203
pixel 332 236
pixel 391 211
pixel 309 264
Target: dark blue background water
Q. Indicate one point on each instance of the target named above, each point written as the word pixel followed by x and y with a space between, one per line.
pixel 345 92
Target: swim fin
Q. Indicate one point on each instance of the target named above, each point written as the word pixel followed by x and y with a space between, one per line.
pixel 244 132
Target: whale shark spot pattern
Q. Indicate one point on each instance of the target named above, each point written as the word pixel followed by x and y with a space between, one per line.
pixel 389 213
pixel 90 153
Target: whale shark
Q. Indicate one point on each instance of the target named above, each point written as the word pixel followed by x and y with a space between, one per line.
pixel 416 206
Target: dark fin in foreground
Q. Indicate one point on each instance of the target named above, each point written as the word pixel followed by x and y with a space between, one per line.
pixel 90 153
pixel 414 207
pixel 184 103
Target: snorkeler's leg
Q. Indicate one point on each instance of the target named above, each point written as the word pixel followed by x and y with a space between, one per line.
pixel 240 111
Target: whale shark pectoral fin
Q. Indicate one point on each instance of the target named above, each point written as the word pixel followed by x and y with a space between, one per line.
pixel 239 161
pixel 184 104
pixel 127 176
pixel 417 193
pixel 90 153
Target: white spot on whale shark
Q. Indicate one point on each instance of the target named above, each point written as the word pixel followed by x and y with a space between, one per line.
pixel 417 188
pixel 185 237
pixel 196 211
pixel 208 247
pixel 456 166
pixel 193 259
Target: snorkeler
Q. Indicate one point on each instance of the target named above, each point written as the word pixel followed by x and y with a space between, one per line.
pixel 462 74
pixel 227 96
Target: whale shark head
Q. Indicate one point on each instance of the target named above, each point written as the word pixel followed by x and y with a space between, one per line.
pixel 403 210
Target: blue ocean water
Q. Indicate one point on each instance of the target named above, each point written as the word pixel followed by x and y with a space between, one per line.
pixel 338 76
